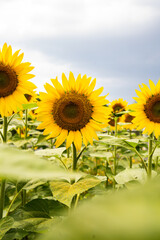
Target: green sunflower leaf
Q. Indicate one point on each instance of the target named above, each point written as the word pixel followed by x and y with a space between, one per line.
pixel 64 192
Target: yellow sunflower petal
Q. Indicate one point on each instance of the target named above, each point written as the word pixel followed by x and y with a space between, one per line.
pixel 91 86
pixel 61 138
pixel 72 81
pixel 8 55
pixel 70 139
pixel 96 93
pixel 152 86
pixel 78 140
pixel 65 82
pixel 78 81
pixel 57 131
pixel 86 135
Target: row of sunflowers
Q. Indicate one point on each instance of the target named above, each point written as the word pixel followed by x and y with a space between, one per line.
pixel 42 177
pixel 73 110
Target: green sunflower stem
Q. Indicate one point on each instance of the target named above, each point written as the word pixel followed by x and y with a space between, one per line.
pixel 3 182
pixel 156 163
pixel 116 121
pixel 130 162
pixel 130 134
pixel 115 152
pixel 130 158
pixel 150 145
pixel 2 197
pixel 5 127
pixel 67 152
pixel 74 157
pixel 23 193
pixel 51 142
pixel 26 123
pixel 23 197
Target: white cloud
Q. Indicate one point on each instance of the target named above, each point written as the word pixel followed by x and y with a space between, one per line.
pixel 32 19
pixel 60 19
pixel 44 68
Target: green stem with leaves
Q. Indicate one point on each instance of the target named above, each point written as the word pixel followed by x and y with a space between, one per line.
pixel 76 201
pixel 130 158
pixel 13 200
pixel 150 145
pixel 156 164
pixel 26 124
pixel 23 193
pixel 3 182
pixel 74 157
pixel 5 127
pixel 2 197
pixel 115 152
pixel 115 148
pixel 68 152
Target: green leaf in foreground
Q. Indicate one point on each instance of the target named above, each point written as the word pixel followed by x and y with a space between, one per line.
pixel 64 191
pixel 35 217
pixel 136 174
pixel 5 224
pixel 29 106
pixel 124 215
pixel 22 164
pixel 50 152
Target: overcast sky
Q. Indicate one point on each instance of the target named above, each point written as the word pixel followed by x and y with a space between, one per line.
pixel 115 41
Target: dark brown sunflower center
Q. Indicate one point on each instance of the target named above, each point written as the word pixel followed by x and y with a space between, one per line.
pixel 111 122
pixel 8 81
pixel 117 108
pixel 152 108
pixel 72 111
pixel 128 118
pixel 28 97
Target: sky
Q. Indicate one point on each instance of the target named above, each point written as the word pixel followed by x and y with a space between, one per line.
pixel 115 41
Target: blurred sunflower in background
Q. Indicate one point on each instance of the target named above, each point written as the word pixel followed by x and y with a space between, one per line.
pixel 111 124
pixel 14 76
pixel 147 108
pixel 127 119
pixel 21 132
pixel 72 111
pixel 117 106
pixel 31 97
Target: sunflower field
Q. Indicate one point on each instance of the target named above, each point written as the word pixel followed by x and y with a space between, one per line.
pixel 73 165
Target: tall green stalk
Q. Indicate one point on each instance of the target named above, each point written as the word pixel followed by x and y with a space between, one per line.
pixel 23 193
pixel 26 124
pixel 74 157
pixel 150 145
pixel 5 127
pixel 156 163
pixel 130 158
pixel 115 153
pixel 67 152
pixel 2 197
pixel 3 182
pixel 115 148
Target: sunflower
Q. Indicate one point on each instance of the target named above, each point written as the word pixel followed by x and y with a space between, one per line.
pixel 72 111
pixel 31 97
pixel 147 108
pixel 111 124
pixel 117 106
pixel 14 76
pixel 21 132
pixel 128 118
